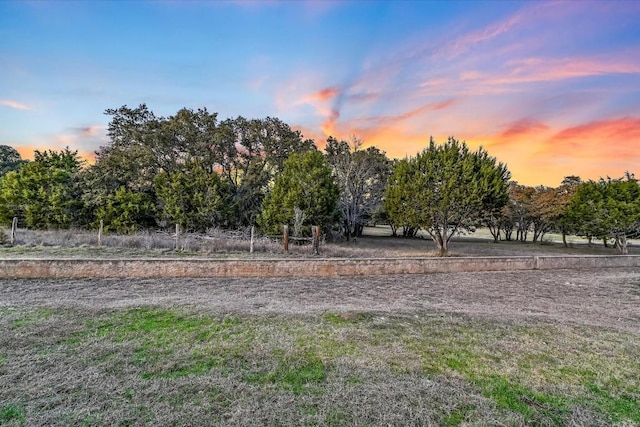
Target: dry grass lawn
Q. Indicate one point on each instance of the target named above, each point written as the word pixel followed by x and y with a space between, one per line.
pixel 496 349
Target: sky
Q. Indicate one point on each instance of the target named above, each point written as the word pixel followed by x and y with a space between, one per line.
pixel 550 88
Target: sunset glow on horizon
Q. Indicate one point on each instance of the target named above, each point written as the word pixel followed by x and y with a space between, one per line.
pixel 551 88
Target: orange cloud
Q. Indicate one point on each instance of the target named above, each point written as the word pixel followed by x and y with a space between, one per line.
pixel 324 94
pixel 537 153
pixel 27 152
pixel 13 104
pixel 390 120
pixel 85 139
pixel 329 125
pixel 604 139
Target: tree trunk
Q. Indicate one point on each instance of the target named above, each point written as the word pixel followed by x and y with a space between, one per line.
pixel 622 245
pixel 508 232
pixel 440 241
pixel 495 232
pixel 14 226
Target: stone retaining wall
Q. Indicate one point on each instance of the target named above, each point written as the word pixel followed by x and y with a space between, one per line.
pixel 159 267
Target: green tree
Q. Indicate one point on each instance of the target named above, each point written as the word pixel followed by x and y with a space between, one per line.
pixel 399 201
pixel 306 185
pixel 607 209
pixel 246 154
pixel 362 178
pixel 194 198
pixel 10 159
pixel 44 193
pixel 446 188
pixel 249 154
pixel 124 211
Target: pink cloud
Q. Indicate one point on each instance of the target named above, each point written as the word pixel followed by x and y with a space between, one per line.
pixel 523 127
pixel 390 120
pixel 549 69
pixel 13 104
pixel 466 42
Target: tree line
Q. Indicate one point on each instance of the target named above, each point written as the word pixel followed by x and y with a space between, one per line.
pixel 192 170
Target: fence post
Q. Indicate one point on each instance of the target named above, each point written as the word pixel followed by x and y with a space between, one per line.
pixel 253 228
pixel 14 225
pixel 316 239
pixel 100 230
pixel 285 238
pixel 177 236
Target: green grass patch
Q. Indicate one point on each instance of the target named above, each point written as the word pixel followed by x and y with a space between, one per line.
pixel 12 413
pixel 295 373
pixel 33 317
pixel 534 406
pixel 621 405
pixel 344 319
pixel 458 416
pixel 161 337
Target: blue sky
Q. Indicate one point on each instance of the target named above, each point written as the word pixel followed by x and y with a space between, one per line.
pixel 550 88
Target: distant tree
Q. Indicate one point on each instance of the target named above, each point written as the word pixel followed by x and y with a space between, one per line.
pixel 554 204
pixel 306 186
pixel 445 189
pixel 44 193
pixel 10 159
pixel 539 209
pixel 520 208
pixel 362 178
pixel 544 211
pixel 607 209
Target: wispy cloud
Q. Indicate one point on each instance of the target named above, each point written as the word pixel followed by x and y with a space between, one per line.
pixel 469 41
pixel 14 104
pixel 530 70
pixel 522 127
pixel 89 131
